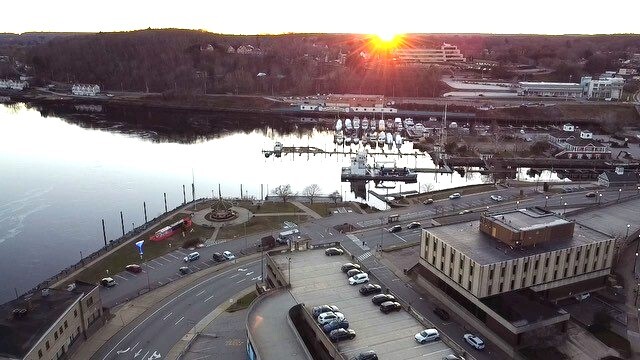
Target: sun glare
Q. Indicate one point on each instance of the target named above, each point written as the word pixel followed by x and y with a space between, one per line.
pixel 387 40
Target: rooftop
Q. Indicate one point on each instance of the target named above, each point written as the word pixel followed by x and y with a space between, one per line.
pixel 467 238
pixel 527 219
pixel 584 142
pixel 19 334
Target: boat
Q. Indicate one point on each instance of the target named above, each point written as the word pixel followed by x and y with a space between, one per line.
pixel 338 138
pixel 381 138
pixel 389 138
pixel 338 125
pixel 277 148
pixel 365 124
pixel 356 123
pixel 347 124
pixel 347 140
pixel 365 139
pixel 398 123
pixel 420 127
pixel 398 140
pixel 373 136
pixel 408 122
pixel 167 231
pixel 355 140
pixel 359 170
pixel 381 125
pixel 390 125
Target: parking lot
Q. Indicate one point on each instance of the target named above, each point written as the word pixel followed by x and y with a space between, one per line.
pixel 316 279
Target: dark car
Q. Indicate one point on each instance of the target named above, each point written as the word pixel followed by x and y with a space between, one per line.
pixel 333 251
pixel 317 310
pixel 134 268
pixel 395 228
pixel 414 225
pixel 442 314
pixel 380 298
pixel 367 355
pixel 369 289
pixel 341 334
pixel 184 270
pixel 336 324
pixel 389 306
pixel 217 257
pixel 428 201
pixel 348 266
pixel 590 194
pixel 353 272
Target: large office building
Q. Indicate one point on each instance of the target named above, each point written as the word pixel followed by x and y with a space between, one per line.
pixel 509 269
pixel 49 324
pixel 606 87
pixel 446 53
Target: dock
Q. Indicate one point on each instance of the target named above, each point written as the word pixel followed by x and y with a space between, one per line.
pixel 317 151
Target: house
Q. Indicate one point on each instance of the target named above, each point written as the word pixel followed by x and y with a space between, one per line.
pixel 11 84
pixel 85 89
pixel 231 50
pixel 618 178
pixel 248 50
pixel 584 149
pixel 586 134
pixel 568 127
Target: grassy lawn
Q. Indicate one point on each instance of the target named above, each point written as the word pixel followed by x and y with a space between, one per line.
pixel 243 302
pixel 128 254
pixel 270 207
pixel 258 224
pixel 614 341
pixel 323 209
pixel 443 194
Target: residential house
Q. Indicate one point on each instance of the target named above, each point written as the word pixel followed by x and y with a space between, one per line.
pixel 11 84
pixel 85 89
pixel 618 178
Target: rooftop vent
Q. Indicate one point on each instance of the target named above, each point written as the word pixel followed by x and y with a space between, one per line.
pixel 19 313
pixel 45 292
pixel 71 287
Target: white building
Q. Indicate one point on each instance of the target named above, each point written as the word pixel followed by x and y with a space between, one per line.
pixel 446 53
pixel 13 84
pixel 554 89
pixel 607 87
pixel 85 89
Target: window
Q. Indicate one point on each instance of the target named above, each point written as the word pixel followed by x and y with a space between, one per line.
pixel 90 301
pixel 60 330
pixel 75 313
pixel 47 345
pixel 39 353
pixel 65 324
pixel 55 335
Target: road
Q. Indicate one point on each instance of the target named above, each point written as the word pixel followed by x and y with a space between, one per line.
pixel 151 336
pixel 180 313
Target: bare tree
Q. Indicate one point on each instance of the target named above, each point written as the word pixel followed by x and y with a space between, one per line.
pixel 427 187
pixel 335 196
pixel 283 191
pixel 311 192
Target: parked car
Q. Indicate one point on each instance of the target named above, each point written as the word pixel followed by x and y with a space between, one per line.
pixel 389 306
pixel 336 324
pixel 428 201
pixel 497 198
pixel 133 268
pixel 192 257
pixel 395 228
pixel 367 355
pixel 317 310
pixel 353 272
pixel 333 251
pixel 349 266
pixel 217 257
pixel 108 282
pixel 442 314
pixel 184 270
pixel 369 289
pixel 414 225
pixel 455 196
pixel 465 211
pixel 590 194
pixel 341 334
pixel 380 298
pixel 474 341
pixel 582 297
pixel 359 279
pixel 427 335
pixel 228 255
pixel 328 317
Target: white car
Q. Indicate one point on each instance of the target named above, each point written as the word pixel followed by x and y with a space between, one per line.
pixel 455 196
pixel 228 255
pixel 328 317
pixel 359 279
pixel 427 335
pixel 497 198
pixel 474 341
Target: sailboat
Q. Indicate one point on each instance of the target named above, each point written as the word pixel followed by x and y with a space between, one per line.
pixel 338 125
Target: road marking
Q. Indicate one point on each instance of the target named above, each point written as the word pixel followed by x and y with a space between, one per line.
pixel 196 267
pixel 142 355
pixel 364 256
pixel 165 305
pixel 123 351
pixel 151 267
pixel 180 252
pixel 165 259
pixel 155 355
pixel 200 293
pixel 399 237
pixel 209 298
pixel 157 262
pixel 249 273
pixel 241 281
pixel 166 317
pixel 177 322
pixel 122 277
pixel 243 270
pixel 232 276
pixel 173 256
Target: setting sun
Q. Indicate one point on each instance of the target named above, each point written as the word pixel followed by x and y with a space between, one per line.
pixel 386 40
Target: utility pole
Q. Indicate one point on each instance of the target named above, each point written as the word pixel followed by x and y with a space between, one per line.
pixel 122 222
pixel 144 205
pixel 165 203
pixel 104 234
pixel 184 195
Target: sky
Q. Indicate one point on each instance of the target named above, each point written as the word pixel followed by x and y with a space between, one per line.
pixel 326 16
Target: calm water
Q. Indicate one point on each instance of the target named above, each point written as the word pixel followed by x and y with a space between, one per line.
pixel 63 172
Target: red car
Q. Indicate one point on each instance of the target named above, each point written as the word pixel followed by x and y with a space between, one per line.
pixel 133 268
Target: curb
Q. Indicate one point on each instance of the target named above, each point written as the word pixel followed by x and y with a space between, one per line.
pixel 183 345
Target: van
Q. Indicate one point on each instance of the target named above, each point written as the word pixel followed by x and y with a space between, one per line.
pixel 192 257
pixel 284 236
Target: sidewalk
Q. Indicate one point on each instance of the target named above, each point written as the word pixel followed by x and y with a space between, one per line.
pixel 307 210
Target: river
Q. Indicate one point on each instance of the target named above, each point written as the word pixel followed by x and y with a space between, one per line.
pixel 64 169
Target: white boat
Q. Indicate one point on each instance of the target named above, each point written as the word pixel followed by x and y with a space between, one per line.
pixel 338 138
pixel 398 140
pixel 420 127
pixel 381 125
pixel 338 125
pixel 408 122
pixel 389 138
pixel 277 147
pixel 365 124
pixel 373 137
pixel 381 137
pixel 398 123
pixel 347 124
pixel 347 140
pixel 390 125
pixel 355 140
pixel 356 123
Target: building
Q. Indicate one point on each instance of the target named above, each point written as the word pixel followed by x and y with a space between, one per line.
pixel 248 50
pixel 508 269
pixel 48 324
pixel 85 89
pixel 583 146
pixel 618 178
pixel 606 87
pixel 565 90
pixel 11 84
pixel 446 53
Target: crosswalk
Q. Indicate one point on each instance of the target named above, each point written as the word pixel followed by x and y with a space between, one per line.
pixel 358 242
pixel 365 256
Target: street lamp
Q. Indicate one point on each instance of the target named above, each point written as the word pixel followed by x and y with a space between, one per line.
pixel 81 258
pixel 619 194
pixel 565 209
pixel 628 226
pixel 289 271
pixel 635 261
pixel 599 199
pixel 546 200
pixel 517 204
pixel 635 303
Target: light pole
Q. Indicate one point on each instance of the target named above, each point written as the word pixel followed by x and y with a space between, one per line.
pixel 81 258
pixel 635 261
pixel 565 209
pixel 599 199
pixel 635 302
pixel 517 204
pixel 638 193
pixel 289 271
pixel 546 200
pixel 619 194
pixel 628 226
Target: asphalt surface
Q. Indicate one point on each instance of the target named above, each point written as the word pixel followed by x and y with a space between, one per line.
pixel 154 335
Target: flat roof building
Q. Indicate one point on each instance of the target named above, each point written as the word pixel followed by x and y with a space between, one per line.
pixel 446 53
